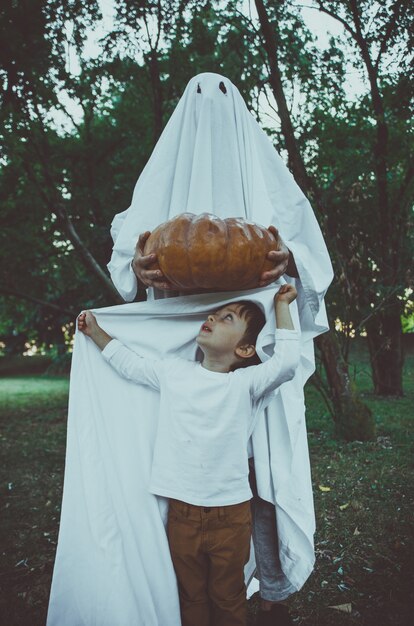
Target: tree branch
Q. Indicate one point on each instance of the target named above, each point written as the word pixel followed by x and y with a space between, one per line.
pixel 296 163
pixel 317 381
pixel 56 206
pixel 375 310
pixel 64 110
pixel 381 145
pixel 404 201
pixel 389 29
pixel 406 183
pixel 7 291
pixel 338 18
pixel 251 33
pixel 87 257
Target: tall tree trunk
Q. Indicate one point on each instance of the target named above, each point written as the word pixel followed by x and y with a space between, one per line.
pixel 295 161
pixel 386 349
pixel 157 97
pixel 353 419
pixel 384 330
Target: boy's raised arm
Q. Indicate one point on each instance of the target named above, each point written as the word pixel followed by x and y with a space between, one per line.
pixel 286 294
pixel 126 362
pixel 281 367
pixel 88 325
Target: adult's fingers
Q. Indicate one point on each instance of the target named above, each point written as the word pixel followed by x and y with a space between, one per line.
pixel 278 256
pixel 274 231
pixel 271 275
pixel 155 278
pixel 164 285
pixel 142 264
pixel 145 261
pixel 142 239
pixel 280 259
pixel 152 275
pixel 140 260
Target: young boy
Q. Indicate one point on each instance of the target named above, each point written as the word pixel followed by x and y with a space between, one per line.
pixel 207 413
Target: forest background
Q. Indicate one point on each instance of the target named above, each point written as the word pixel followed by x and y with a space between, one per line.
pixel 79 123
pixel 86 89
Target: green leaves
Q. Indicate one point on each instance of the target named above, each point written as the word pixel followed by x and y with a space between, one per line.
pixel 113 109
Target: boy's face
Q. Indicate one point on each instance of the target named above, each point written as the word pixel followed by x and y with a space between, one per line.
pixel 222 332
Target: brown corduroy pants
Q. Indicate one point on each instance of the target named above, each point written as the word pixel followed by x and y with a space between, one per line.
pixel 209 548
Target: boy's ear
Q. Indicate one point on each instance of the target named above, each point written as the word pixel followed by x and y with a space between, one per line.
pixel 246 351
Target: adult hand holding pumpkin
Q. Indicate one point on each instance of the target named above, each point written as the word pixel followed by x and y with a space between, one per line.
pixel 282 259
pixel 141 264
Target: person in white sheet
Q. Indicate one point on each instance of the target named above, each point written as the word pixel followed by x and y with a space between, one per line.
pixel 213 157
pixel 207 413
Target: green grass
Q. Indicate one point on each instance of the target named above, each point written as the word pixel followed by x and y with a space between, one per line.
pixel 32 439
pixel 24 394
pixel 364 550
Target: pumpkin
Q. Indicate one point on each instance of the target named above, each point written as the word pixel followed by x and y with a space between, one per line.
pixel 204 252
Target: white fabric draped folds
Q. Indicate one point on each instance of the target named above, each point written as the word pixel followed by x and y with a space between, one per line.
pixel 213 157
pixel 112 564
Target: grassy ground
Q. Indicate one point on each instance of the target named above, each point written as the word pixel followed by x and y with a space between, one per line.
pixel 364 539
pixel 32 439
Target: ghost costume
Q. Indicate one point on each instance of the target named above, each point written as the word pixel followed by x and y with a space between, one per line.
pixel 112 564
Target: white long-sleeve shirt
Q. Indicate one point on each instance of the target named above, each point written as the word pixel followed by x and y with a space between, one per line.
pixel 205 419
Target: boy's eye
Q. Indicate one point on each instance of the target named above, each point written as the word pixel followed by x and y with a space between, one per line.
pixel 228 316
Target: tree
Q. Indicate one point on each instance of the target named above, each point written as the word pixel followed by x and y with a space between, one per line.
pixel 381 36
pixel 353 419
pixel 67 185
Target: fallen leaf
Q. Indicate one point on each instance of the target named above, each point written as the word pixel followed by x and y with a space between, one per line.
pixel 384 442
pixel 322 488
pixel 345 608
pixel 342 507
pixel 324 554
pixel 356 531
